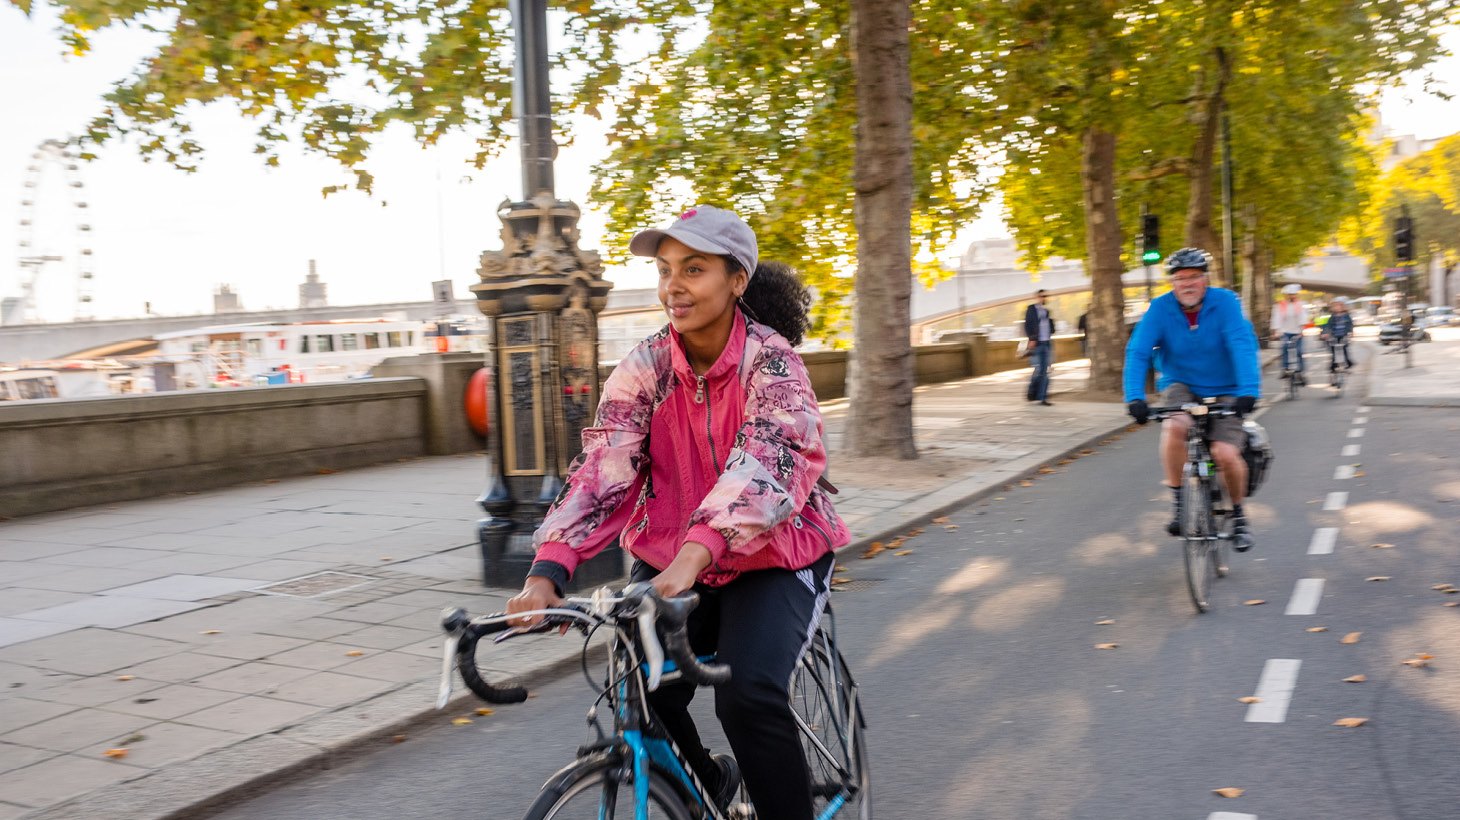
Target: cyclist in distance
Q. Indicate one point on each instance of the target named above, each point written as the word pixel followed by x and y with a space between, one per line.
pixel 1289 317
pixel 1338 330
pixel 706 461
pixel 1203 348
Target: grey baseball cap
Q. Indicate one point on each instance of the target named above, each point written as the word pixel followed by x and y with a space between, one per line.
pixel 706 229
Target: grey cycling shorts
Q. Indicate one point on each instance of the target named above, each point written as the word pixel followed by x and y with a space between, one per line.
pixel 1223 428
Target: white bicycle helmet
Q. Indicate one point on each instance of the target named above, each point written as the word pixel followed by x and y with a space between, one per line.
pixel 1291 290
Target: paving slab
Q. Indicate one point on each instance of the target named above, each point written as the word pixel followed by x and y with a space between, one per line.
pixel 186 587
pixel 1431 380
pixel 113 612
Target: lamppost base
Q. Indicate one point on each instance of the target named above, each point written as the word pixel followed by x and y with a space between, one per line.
pixel 507 556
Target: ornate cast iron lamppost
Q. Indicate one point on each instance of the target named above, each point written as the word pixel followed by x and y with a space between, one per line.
pixel 542 295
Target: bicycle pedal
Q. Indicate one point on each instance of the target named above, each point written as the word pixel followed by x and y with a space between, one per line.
pixel 740 811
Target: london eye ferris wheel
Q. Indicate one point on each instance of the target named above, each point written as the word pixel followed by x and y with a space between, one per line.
pixel 54 236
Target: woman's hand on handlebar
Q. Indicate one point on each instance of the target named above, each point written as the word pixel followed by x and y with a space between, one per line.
pixel 537 593
pixel 681 573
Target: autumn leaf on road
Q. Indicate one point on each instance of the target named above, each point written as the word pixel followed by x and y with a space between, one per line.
pixel 1443 587
pixel 942 519
pixel 1350 723
pixel 1377 578
pixel 461 721
pixel 1254 602
pixel 1046 470
pixel 1316 629
pixel 872 551
pixel 115 754
pixel 354 653
pixel 1352 637
pixel 484 711
pixel 1382 546
pixel 126 677
pixel 1106 622
pixel 901 553
pixel 836 582
pixel 1106 645
pixel 1229 791
pixel 1026 483
pixel 1355 678
pixel 1250 699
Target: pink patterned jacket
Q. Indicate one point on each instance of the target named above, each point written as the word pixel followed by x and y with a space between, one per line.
pixel 729 459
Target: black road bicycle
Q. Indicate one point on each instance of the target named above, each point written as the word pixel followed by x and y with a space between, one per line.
pixel 1205 511
pixel 635 770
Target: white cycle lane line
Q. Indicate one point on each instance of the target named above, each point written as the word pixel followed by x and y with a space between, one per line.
pixel 1324 539
pixel 1335 501
pixel 1230 815
pixel 1306 595
pixel 1344 472
pixel 1349 450
pixel 1275 690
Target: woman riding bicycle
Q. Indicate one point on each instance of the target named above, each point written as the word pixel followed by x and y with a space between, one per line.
pixel 706 462
pixel 1337 332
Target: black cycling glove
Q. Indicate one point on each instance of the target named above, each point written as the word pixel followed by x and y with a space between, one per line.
pixel 1245 405
pixel 1139 410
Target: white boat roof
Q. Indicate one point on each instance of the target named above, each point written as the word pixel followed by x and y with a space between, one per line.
pixel 246 327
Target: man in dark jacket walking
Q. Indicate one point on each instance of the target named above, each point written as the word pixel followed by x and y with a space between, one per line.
pixel 1039 330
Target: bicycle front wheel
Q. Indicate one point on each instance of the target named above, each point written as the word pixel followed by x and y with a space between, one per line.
pixel 603 789
pixel 833 734
pixel 1196 520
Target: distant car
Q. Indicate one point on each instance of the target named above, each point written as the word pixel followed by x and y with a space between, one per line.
pixel 1391 330
pixel 1441 316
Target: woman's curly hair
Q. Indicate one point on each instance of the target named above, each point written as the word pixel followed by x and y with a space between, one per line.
pixel 776 297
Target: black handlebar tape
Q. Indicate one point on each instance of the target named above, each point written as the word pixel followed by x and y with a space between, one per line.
pixel 466 664
pixel 676 646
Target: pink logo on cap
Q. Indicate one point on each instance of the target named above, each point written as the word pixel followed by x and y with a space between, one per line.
pixel 687 214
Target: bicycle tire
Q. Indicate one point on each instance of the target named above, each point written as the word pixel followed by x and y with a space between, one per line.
pixel 590 777
pixel 1292 386
pixel 815 686
pixel 1222 527
pixel 1195 529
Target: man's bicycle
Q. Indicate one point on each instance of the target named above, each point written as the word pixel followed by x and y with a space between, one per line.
pixel 1205 511
pixel 1337 373
pixel 1291 357
pixel 635 770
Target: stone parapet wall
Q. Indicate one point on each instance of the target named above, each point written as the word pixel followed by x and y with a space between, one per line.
pixel 59 454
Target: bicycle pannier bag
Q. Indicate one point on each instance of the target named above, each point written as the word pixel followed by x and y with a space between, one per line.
pixel 1257 454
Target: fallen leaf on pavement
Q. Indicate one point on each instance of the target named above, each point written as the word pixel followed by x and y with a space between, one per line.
pixel 1229 791
pixel 1443 587
pixel 1250 699
pixel 462 721
pixel 914 532
pixel 942 519
pixel 115 754
pixel 840 568
pixel 1254 602
pixel 126 677
pixel 1352 637
pixel 1067 461
pixel 1355 678
pixel 484 711
pixel 1382 546
pixel 1106 622
pixel 211 632
pixel 1106 645
pixel 1350 723
pixel 1377 578
pixel 1046 470
pixel 386 558
pixel 872 551
pixel 1087 452
pixel 901 553
pixel 398 739
pixel 839 581
pixel 1026 483
pixel 950 527
pixel 1316 629
pixel 1359 473
pixel 354 653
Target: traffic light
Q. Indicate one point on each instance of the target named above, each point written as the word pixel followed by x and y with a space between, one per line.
pixel 1404 239
pixel 1150 239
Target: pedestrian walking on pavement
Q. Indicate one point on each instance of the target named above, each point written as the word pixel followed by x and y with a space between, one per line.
pixel 706 462
pixel 1039 330
pixel 1084 328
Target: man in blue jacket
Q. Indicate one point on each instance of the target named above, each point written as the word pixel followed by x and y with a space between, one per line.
pixel 1203 347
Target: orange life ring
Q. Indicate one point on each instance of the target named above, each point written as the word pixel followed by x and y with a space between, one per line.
pixel 476 402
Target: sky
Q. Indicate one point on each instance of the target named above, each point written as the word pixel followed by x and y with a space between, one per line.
pixel 163 240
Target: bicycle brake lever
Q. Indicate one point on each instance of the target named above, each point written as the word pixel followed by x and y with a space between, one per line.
pixel 649 639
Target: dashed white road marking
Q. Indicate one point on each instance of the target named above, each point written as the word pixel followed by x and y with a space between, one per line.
pixel 1360 420
pixel 1306 595
pixel 1350 450
pixel 1357 432
pixel 1343 471
pixel 1363 409
pixel 1335 501
pixel 1275 687
pixel 1230 815
pixel 1323 540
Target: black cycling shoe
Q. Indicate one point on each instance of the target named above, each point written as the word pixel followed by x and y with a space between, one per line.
pixel 1241 534
pixel 729 779
pixel 1174 526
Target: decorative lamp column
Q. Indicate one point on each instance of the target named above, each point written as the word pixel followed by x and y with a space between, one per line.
pixel 541 294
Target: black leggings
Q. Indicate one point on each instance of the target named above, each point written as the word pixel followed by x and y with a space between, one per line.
pixel 760 624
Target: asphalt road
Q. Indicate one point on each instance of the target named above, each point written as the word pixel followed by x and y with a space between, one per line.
pixel 987 698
